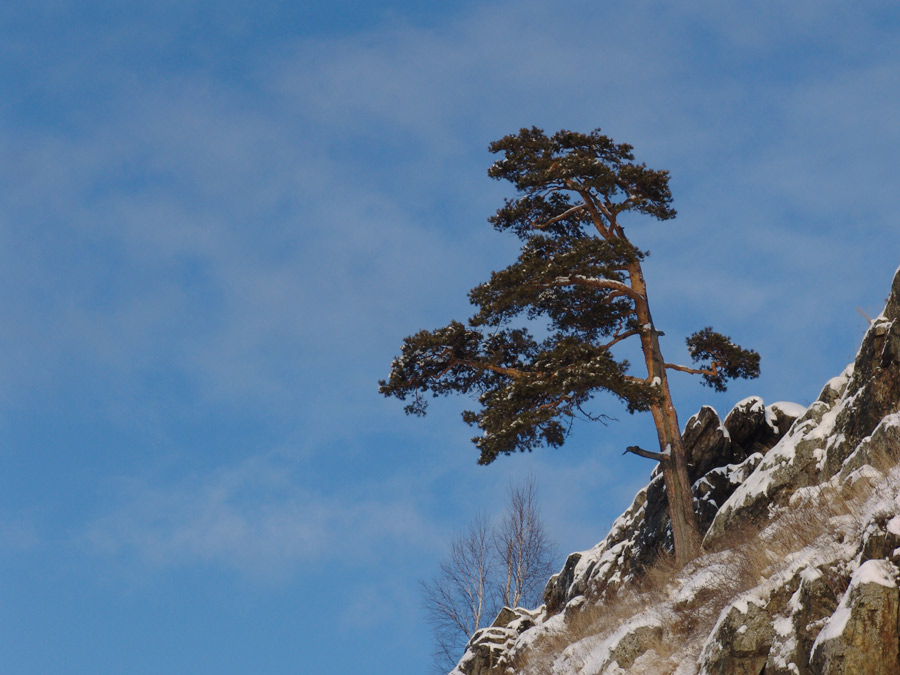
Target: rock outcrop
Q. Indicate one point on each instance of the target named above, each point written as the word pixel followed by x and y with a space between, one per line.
pixel 861 635
pixel 801 509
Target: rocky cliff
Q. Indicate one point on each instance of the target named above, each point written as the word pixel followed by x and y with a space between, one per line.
pixel 801 509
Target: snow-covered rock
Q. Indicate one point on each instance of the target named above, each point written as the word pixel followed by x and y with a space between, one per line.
pixel 802 549
pixel 741 639
pixel 489 647
pixel 863 633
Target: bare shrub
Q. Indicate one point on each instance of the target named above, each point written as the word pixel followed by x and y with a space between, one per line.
pixel 814 513
pixel 655 579
pixel 457 599
pixel 488 566
pixel 522 549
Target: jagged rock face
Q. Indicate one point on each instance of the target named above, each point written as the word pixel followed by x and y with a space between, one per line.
pixel 707 444
pixel 718 466
pixel 853 407
pixel 827 476
pixel 556 590
pixel 798 622
pixel 876 379
pixel 791 464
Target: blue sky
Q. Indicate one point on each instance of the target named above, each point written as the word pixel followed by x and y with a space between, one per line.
pixel 218 220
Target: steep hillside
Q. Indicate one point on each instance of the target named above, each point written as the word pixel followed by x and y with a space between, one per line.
pixel 801 508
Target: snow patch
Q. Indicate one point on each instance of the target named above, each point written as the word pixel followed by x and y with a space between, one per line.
pixel 875 572
pixel 788 408
pixel 893 525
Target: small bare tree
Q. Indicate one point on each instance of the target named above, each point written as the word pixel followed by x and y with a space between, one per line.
pixel 458 598
pixel 523 550
pixel 488 567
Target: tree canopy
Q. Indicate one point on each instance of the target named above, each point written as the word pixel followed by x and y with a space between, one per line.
pixel 540 344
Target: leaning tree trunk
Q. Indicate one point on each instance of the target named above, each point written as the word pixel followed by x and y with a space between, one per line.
pixel 685 526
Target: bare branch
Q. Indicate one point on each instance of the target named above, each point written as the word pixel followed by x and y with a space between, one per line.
pixel 459 599
pixel 561 216
pixel 712 370
pixel 621 336
pixel 636 450
pixel 525 555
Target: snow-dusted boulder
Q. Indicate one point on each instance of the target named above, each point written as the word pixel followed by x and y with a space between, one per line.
pixel 707 443
pixel 798 624
pixel 619 651
pixel 881 539
pixel 489 647
pixel 881 448
pixel 556 592
pixel 863 634
pixel 740 642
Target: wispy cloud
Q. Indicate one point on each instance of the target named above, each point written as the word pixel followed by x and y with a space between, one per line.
pixel 18 533
pixel 265 517
pixel 232 238
pixel 266 246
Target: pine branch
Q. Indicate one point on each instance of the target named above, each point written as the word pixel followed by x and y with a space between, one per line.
pixel 621 336
pixel 514 373
pixel 594 209
pixel 596 282
pixel 561 216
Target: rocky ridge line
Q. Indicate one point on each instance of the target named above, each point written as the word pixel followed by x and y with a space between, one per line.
pixel 830 606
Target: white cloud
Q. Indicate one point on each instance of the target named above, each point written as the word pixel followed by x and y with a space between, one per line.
pixel 269 246
pixel 266 517
pixel 349 193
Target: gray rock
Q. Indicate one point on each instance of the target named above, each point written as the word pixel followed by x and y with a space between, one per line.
pixel 748 427
pixel 863 634
pixel 814 600
pixel 783 416
pixel 556 592
pixel 880 539
pixel 791 464
pixel 873 391
pixel 487 651
pixel 714 489
pixel 739 645
pixel 707 443
pixel 880 449
pixel 634 643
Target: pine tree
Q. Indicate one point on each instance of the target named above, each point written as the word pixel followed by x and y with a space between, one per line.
pixel 579 280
